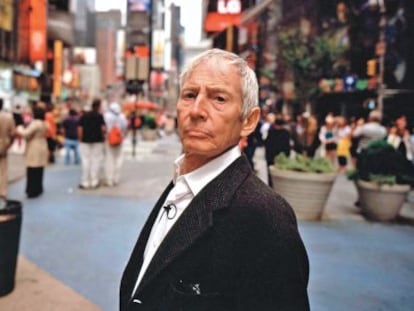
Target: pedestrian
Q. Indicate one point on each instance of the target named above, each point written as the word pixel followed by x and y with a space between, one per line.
pixel 399 137
pixel 36 153
pixel 329 139
pixel 51 133
pixel 114 118
pixel 354 123
pixel 344 143
pixel 277 142
pixel 7 134
pixel 370 130
pixel 91 134
pixel 367 132
pixel 18 120
pixel 305 135
pixel 254 140
pixel 218 238
pixel 70 134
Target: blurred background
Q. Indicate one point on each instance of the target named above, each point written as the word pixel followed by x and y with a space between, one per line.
pixel 320 56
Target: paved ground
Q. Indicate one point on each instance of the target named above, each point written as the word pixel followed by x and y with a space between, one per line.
pixel 75 243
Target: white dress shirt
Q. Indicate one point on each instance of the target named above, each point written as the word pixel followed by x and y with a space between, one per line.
pixel 186 187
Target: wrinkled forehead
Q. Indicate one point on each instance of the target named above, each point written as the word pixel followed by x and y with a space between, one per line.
pixel 216 68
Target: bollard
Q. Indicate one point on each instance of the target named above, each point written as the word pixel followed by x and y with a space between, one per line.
pixel 10 225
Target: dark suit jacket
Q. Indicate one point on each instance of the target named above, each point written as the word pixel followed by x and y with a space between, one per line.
pixel 235 247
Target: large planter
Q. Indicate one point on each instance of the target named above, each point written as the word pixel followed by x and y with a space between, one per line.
pixel 149 134
pixel 306 192
pixel 381 202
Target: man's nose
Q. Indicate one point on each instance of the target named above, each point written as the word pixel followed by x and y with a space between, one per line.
pixel 198 106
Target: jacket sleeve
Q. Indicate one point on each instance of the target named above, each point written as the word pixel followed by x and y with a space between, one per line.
pixel 28 131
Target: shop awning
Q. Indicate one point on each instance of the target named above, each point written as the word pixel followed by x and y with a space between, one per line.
pixel 216 22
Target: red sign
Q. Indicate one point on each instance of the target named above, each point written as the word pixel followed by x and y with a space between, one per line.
pixel 37 30
pixel 216 22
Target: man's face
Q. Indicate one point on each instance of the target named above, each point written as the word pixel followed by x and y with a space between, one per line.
pixel 209 111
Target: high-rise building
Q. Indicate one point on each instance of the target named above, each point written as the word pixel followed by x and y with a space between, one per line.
pixel 107 25
pixel 84 13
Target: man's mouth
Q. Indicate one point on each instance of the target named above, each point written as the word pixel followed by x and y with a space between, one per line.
pixel 192 132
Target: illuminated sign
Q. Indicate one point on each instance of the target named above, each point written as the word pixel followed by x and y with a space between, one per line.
pixel 229 6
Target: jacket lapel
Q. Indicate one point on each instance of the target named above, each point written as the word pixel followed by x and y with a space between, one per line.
pixel 131 272
pixel 197 217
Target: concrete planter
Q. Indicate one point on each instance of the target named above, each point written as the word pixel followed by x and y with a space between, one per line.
pixel 306 192
pixel 149 134
pixel 381 202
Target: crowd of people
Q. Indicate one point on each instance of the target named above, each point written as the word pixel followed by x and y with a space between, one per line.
pixel 337 138
pixel 40 130
pixel 82 134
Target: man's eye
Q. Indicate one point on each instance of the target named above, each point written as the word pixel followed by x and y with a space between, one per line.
pixel 220 99
pixel 189 95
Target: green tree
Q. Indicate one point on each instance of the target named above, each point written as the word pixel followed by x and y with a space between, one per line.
pixel 307 59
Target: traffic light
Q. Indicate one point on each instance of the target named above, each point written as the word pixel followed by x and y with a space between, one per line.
pixel 371 67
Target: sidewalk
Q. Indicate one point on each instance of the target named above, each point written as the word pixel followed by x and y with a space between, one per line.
pixel 35 289
pixel 338 207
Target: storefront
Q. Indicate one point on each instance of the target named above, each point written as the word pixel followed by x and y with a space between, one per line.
pixel 26 84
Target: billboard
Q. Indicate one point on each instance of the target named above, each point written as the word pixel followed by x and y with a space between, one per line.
pixel 157 52
pixel 37 31
pixel 6 15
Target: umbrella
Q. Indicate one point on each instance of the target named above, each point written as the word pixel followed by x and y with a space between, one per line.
pixel 146 105
pixel 142 104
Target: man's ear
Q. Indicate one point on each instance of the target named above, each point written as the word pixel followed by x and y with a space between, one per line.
pixel 250 123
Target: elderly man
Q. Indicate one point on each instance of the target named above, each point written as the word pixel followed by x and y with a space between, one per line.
pixel 370 131
pixel 218 238
pixel 7 133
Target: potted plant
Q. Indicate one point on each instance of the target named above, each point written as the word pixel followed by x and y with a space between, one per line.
pixel 383 178
pixel 304 182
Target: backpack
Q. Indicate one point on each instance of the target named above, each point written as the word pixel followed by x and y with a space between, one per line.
pixel 115 136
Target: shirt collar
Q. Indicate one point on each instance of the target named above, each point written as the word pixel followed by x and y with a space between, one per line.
pixel 199 178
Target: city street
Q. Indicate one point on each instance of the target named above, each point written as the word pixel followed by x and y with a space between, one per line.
pixel 82 239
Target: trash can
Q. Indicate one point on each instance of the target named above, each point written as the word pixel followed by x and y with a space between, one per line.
pixel 10 225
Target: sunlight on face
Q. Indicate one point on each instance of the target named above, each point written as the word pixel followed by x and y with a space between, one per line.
pixel 209 110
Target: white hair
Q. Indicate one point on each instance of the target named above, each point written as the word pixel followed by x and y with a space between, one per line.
pixel 248 80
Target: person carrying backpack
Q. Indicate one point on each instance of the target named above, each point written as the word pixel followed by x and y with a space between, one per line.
pixel 117 127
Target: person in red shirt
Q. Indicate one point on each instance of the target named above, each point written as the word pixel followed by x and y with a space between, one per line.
pixel 51 132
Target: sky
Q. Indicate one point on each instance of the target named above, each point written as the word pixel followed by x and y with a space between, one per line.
pixel 188 9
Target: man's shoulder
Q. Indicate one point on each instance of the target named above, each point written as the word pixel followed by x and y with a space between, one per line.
pixel 257 197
